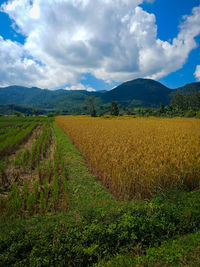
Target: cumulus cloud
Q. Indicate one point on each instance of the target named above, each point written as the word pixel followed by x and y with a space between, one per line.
pixel 80 86
pixel 19 67
pixel 16 66
pixel 197 73
pixel 115 40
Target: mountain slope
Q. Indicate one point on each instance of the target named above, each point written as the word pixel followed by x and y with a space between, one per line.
pixel 187 89
pixel 144 91
pixel 135 93
pixel 10 109
pixel 43 98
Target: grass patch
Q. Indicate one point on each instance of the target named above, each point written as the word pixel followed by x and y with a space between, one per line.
pixel 85 191
pixel 82 239
pixel 184 251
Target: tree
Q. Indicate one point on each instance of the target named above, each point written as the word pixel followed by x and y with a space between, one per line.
pixel 194 101
pixel 18 114
pixel 188 102
pixel 114 109
pixel 162 108
pixel 179 101
pixel 90 103
pixel 36 112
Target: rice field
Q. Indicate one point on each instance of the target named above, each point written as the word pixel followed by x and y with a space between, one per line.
pixel 32 168
pixel 137 157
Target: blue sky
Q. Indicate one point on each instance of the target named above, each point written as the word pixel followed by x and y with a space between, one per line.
pixel 96 45
pixel 169 14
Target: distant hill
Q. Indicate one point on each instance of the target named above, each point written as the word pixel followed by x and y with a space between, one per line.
pixel 43 98
pixel 10 109
pixel 141 92
pixel 135 93
pixel 187 89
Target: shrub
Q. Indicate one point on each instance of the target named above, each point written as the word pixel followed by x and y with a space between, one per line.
pixel 190 113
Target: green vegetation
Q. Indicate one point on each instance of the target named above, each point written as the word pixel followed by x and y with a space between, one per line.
pixel 139 93
pixel 28 176
pixel 185 251
pixel 189 102
pixel 180 105
pixel 90 103
pixel 64 217
pixel 17 110
pixel 114 109
pixel 14 132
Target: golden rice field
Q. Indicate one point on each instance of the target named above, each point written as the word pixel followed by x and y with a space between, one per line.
pixel 136 157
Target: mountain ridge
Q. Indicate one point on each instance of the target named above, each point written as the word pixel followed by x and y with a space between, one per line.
pixel 137 93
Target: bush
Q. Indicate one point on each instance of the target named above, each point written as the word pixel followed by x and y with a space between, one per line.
pixel 190 113
pixel 198 114
pixel 81 241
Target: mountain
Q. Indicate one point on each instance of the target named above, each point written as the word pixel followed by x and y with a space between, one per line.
pixel 187 89
pixel 43 98
pixel 10 109
pixel 141 92
pixel 135 93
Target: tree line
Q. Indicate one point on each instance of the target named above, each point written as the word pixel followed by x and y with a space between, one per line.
pixel 180 105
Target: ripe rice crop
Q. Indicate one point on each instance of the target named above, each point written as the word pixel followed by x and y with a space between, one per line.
pixel 136 157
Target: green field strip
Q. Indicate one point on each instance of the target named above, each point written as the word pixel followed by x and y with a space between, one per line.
pixel 85 191
pixel 184 251
pixel 12 131
pixel 12 142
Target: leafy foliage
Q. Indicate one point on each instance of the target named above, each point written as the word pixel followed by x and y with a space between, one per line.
pixel 184 251
pixel 81 241
pixel 114 109
pixel 188 102
pixel 90 103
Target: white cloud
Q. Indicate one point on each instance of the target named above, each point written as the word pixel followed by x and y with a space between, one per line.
pixel 111 39
pixel 80 86
pixel 197 73
pixel 18 67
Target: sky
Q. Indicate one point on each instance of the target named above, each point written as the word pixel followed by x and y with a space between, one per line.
pixel 97 45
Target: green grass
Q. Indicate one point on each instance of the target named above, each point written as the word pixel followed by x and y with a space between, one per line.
pixel 184 251
pixel 98 229
pixel 86 193
pixel 87 237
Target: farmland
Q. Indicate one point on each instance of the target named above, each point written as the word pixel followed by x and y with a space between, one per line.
pixel 118 192
pixel 134 158
pixel 32 175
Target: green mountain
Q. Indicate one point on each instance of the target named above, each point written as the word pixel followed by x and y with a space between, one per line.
pixel 187 89
pixel 10 109
pixel 43 98
pixel 139 92
pixel 135 93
